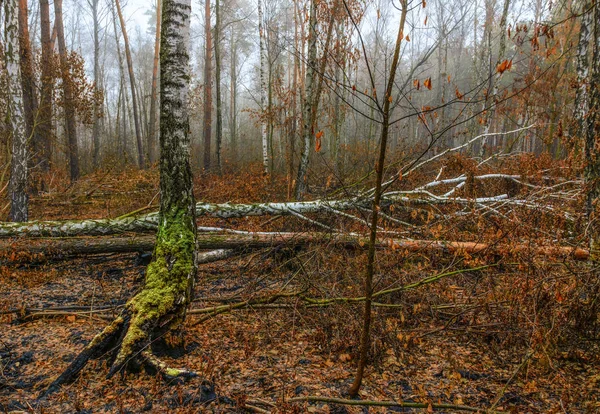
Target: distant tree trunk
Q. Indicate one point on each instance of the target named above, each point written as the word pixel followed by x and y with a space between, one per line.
pixel 308 128
pixel 132 84
pixel 207 87
pixel 219 132
pixel 69 109
pixel 151 144
pixel 124 98
pixel 30 103
pixel 47 81
pixel 592 151
pixel 313 93
pixel 160 306
pixel 263 90
pixel 583 72
pixel 97 105
pixel 338 110
pixel 18 172
pixel 233 101
pixel 295 93
pixel 495 76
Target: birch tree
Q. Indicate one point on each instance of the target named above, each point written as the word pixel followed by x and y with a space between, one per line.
pixel 583 69
pixel 263 89
pixel 18 171
pixel 162 303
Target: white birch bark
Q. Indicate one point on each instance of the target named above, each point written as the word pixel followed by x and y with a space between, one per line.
pixel 263 89
pixel 18 175
pixel 307 105
pixel 583 70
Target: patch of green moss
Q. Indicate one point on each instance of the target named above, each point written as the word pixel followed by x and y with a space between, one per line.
pixel 169 278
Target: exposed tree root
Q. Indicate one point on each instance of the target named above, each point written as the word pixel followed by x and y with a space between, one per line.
pixel 126 341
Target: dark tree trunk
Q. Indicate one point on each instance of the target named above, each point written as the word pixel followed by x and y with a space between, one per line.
pixel 70 125
pixel 219 131
pixel 592 153
pixel 97 105
pixel 47 80
pixel 207 87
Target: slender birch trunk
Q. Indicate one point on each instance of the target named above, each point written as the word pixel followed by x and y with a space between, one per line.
pixel 69 109
pixel 263 90
pixel 168 288
pixel 583 72
pixel 132 84
pixel 18 173
pixel 152 138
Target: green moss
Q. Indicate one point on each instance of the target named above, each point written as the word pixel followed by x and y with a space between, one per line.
pixel 172 372
pixel 169 278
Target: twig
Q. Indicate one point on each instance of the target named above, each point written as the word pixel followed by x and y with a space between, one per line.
pixel 370 403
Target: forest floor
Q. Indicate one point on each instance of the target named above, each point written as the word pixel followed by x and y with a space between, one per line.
pixel 517 337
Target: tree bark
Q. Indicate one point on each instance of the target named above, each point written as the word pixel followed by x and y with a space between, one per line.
pixel 19 199
pixel 97 105
pixel 219 129
pixel 45 125
pixel 28 86
pixel 233 100
pixel 495 75
pixel 151 144
pixel 207 128
pixel 132 84
pixel 265 110
pixel 307 107
pixel 168 288
pixel 592 142
pixel 583 73
pixel 69 108
pixel 28 250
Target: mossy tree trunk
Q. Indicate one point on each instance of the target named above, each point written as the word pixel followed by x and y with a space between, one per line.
pixel 162 303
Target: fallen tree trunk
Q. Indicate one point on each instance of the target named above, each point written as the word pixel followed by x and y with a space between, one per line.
pixel 44 249
pixel 148 223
